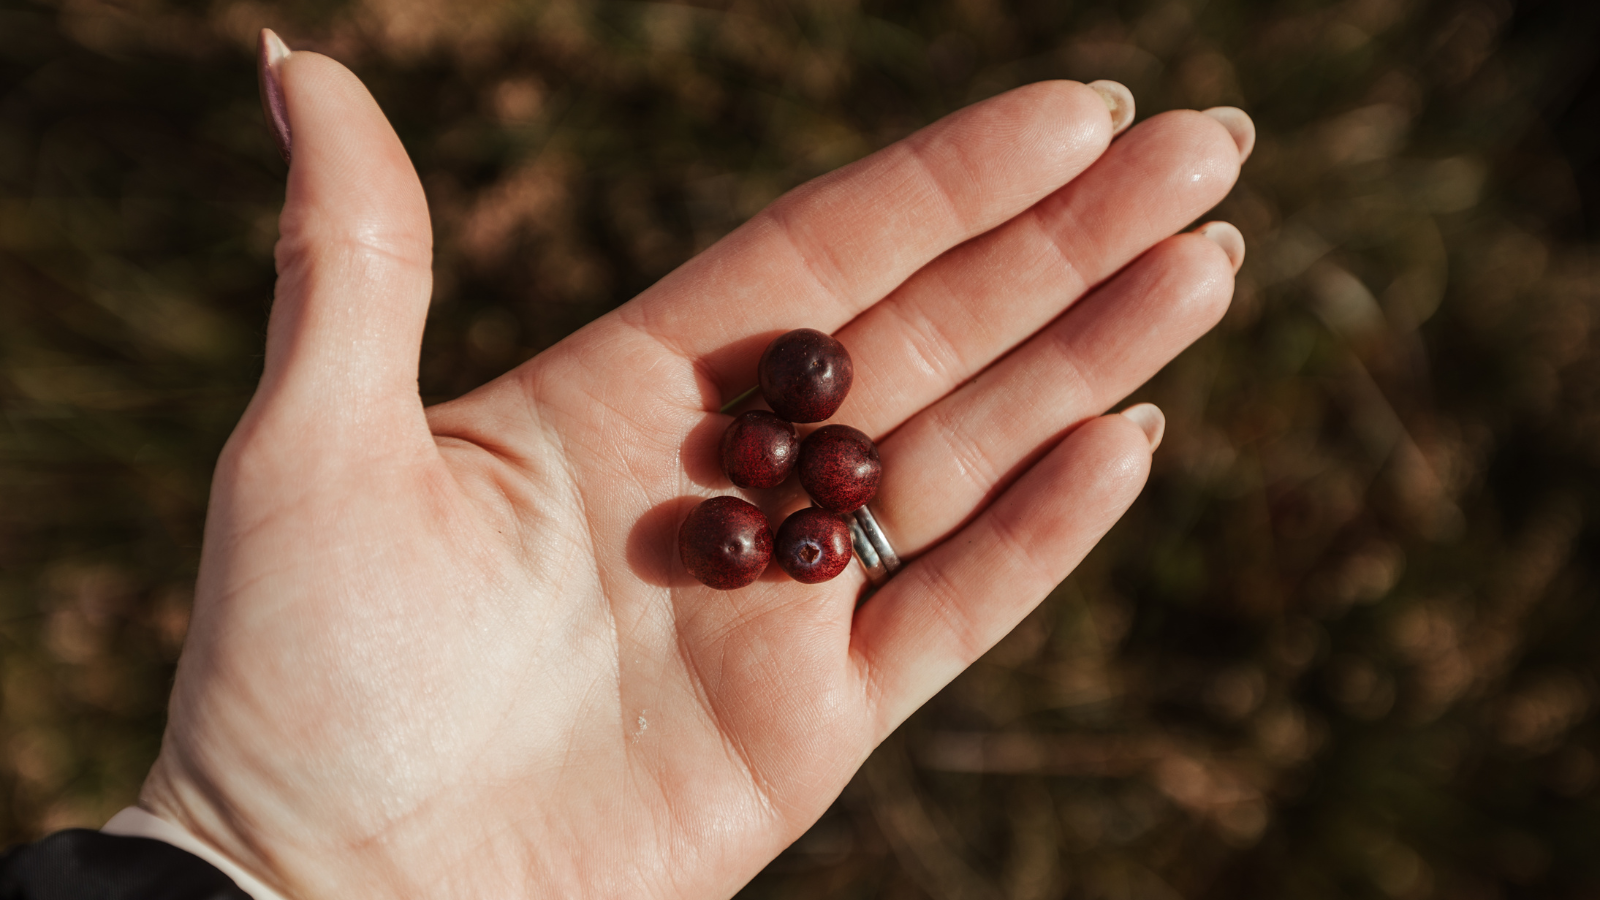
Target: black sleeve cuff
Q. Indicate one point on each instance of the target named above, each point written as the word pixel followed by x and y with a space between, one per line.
pixel 80 864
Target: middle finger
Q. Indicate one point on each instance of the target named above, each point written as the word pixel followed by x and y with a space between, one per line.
pixel 970 306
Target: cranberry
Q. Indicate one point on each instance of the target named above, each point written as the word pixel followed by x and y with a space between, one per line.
pixel 813 545
pixel 759 450
pixel 839 468
pixel 805 375
pixel 725 543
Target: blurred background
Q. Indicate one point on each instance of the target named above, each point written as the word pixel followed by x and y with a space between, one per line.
pixel 1345 645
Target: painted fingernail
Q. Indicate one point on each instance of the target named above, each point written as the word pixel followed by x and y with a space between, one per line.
pixel 1119 100
pixel 1224 235
pixel 271 51
pixel 1150 420
pixel 1239 124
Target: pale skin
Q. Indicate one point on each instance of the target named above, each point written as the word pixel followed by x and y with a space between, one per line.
pixel 451 652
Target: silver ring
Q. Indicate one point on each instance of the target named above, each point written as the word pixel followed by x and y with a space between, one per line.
pixel 872 547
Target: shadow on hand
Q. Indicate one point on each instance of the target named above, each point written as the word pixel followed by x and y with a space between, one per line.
pixel 701 453
pixel 652 548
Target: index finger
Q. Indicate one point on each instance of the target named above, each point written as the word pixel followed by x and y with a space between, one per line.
pixel 829 249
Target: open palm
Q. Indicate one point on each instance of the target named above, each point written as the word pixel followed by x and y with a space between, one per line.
pixel 452 653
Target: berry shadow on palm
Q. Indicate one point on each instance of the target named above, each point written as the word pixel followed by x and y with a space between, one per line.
pixel 652 546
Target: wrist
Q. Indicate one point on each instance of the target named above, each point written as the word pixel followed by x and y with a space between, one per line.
pixel 136 822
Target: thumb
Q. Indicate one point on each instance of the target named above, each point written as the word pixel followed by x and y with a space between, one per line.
pixel 354 254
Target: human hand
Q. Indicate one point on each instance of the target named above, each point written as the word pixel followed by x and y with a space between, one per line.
pixel 451 652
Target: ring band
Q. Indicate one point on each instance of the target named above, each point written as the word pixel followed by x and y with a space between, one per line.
pixel 872 547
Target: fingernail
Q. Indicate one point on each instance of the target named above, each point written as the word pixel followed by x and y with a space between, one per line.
pixel 270 54
pixel 1150 420
pixel 1224 235
pixel 1239 124
pixel 1119 100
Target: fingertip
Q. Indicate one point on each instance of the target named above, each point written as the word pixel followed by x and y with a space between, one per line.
pixel 1118 100
pixel 1118 448
pixel 1240 127
pixel 271 52
pixel 1194 160
pixel 1150 420
pixel 351 172
pixel 1226 236
pixel 354 253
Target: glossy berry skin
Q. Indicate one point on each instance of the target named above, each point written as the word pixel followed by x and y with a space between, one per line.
pixel 839 468
pixel 725 543
pixel 813 545
pixel 805 375
pixel 759 450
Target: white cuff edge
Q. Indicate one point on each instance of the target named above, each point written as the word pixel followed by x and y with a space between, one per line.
pixel 135 822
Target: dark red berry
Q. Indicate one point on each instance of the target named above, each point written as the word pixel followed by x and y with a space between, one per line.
pixel 813 545
pixel 759 450
pixel 839 468
pixel 805 375
pixel 725 543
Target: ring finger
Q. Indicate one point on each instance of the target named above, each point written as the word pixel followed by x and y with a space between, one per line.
pixel 950 460
pixel 975 303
